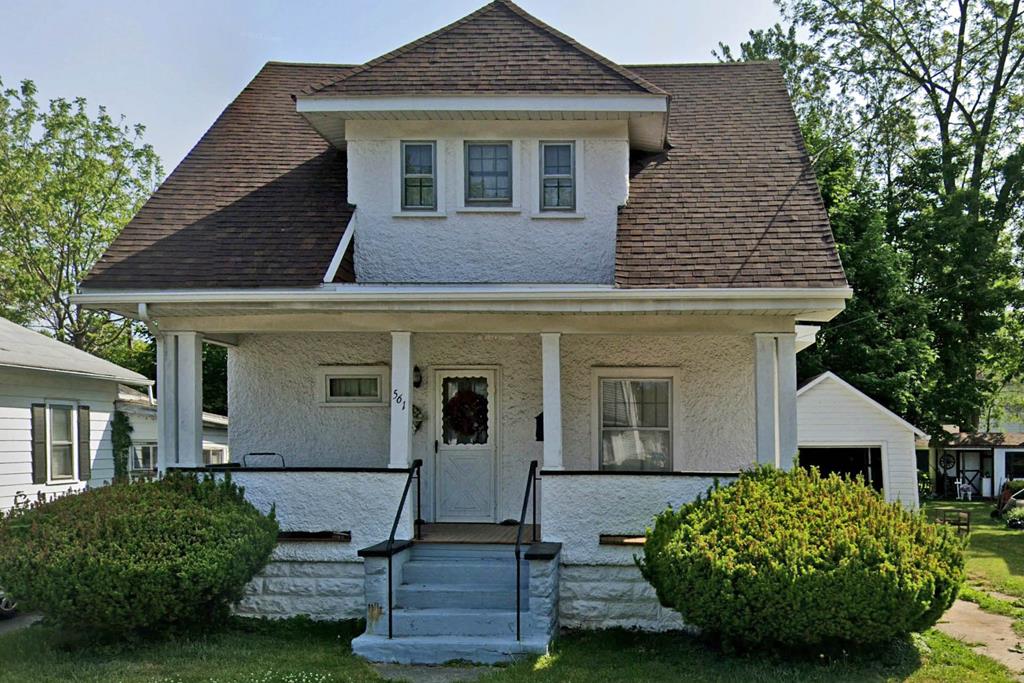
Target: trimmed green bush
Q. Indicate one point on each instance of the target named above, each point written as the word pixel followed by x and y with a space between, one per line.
pixel 1015 518
pixel 792 559
pixel 135 558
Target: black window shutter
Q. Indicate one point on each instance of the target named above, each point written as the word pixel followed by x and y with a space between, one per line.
pixel 38 443
pixel 84 448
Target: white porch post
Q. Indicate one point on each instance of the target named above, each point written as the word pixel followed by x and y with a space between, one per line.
pixel 765 387
pixel 552 380
pixel 775 398
pixel 167 401
pixel 180 400
pixel 401 396
pixel 786 364
pixel 190 399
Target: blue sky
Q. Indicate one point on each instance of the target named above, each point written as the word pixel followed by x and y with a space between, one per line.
pixel 174 66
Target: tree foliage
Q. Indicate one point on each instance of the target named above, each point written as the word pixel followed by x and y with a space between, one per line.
pixel 69 182
pixel 914 115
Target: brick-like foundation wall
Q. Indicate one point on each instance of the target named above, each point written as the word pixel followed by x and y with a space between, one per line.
pixel 323 590
pixel 608 596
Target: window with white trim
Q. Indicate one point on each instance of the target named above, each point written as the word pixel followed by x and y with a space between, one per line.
pixel 488 173
pixel 144 457
pixel 419 176
pixel 635 423
pixel 557 176
pixel 215 455
pixel 61 444
pixel 349 385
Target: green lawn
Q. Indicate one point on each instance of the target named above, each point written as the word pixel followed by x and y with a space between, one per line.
pixel 303 652
pixel 995 554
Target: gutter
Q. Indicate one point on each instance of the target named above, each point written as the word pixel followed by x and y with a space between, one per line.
pixel 417 293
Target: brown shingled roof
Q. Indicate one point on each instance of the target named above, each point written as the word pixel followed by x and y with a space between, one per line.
pixel 259 201
pixel 499 49
pixel 734 202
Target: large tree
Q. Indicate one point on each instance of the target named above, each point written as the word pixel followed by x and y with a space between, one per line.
pixel 69 181
pixel 929 96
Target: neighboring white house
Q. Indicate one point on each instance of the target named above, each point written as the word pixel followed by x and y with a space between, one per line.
pixel 841 429
pixel 489 248
pixel 141 411
pixel 56 407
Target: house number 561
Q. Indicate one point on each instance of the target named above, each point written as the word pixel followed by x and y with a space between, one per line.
pixel 399 398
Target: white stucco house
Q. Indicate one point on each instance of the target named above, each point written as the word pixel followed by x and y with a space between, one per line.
pixel 488 276
pixel 56 407
pixel 141 409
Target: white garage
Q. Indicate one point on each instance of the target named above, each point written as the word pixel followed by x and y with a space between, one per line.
pixel 840 429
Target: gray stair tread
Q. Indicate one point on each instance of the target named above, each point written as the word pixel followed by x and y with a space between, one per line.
pixel 442 649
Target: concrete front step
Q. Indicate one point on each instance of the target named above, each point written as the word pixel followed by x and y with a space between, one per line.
pixel 491 573
pixel 458 596
pixel 443 649
pixel 465 551
pixel 457 622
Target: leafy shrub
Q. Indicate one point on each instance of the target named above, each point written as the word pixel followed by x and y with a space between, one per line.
pixel 792 559
pixel 135 558
pixel 1014 485
pixel 1015 518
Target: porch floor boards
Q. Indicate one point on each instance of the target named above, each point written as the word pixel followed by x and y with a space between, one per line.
pixel 475 533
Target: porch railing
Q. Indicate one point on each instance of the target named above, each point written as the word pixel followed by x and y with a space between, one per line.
pixel 414 473
pixel 531 488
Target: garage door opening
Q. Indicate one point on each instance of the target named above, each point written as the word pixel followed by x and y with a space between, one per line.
pixel 846 460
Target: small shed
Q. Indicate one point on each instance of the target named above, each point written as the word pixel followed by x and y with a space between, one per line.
pixel 841 429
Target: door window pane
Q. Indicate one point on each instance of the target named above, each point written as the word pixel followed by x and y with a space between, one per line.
pixel 635 424
pixel 489 173
pixel 464 410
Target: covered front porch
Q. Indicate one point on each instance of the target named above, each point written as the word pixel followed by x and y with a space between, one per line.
pixel 477 407
pixel 348 402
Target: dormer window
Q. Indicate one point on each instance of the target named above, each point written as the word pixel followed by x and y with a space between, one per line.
pixel 557 176
pixel 489 173
pixel 419 176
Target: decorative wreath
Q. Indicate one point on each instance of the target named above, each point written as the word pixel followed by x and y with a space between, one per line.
pixel 946 461
pixel 466 411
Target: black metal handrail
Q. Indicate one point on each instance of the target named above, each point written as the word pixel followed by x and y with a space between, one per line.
pixel 414 472
pixel 530 487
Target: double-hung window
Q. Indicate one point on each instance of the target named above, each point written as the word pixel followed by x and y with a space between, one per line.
pixel 144 457
pixel 61 441
pixel 419 176
pixel 557 176
pixel 489 173
pixel 635 423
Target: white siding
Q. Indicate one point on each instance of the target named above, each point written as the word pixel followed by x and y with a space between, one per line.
pixel 19 389
pixel 830 414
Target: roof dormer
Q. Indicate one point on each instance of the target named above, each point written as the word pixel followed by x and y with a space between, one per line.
pixel 498 63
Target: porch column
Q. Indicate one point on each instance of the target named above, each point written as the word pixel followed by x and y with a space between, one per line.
pixel 775 392
pixel 401 395
pixel 786 363
pixel 180 400
pixel 552 380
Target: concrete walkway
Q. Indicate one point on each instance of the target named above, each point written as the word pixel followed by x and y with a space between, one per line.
pixel 989 634
pixel 20 621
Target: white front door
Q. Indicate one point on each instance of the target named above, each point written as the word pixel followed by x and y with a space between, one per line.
pixel 465 430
